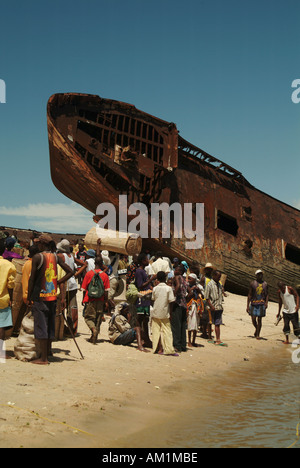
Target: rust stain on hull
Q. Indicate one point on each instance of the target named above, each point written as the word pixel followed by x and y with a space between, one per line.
pixel 101 148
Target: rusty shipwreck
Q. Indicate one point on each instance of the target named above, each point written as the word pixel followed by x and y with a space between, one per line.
pixel 101 148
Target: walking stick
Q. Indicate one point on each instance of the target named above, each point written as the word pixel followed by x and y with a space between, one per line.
pixel 72 334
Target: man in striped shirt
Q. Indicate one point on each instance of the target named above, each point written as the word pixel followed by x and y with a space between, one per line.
pixel 214 299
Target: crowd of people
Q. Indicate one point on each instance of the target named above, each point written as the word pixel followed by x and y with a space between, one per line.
pixel 167 302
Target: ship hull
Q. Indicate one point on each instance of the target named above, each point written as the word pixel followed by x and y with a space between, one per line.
pixel 94 158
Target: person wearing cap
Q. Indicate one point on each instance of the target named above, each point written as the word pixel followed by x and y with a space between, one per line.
pixel 257 301
pixel 120 331
pixel 42 293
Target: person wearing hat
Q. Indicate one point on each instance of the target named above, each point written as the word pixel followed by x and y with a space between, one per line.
pixel 42 293
pixel 257 301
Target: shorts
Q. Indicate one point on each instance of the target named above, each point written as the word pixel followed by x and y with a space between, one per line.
pixel 257 311
pixel 217 317
pixel 44 313
pixel 143 311
pixel 288 319
pixel 126 338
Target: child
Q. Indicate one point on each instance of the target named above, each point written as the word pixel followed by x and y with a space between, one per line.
pixel 194 308
pixel 162 296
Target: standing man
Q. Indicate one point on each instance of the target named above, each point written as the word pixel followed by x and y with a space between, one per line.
pixel 42 293
pixel 94 310
pixel 289 299
pixel 160 264
pixel 143 283
pixel 214 299
pixel 7 282
pixel 178 313
pixel 257 302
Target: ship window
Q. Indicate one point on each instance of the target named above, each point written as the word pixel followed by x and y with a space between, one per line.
pixel 247 213
pixel 114 121
pixel 145 131
pixel 227 224
pixel 161 154
pixel 120 123
pixel 138 128
pixel 119 139
pixel 132 127
pixel 292 254
pixel 126 126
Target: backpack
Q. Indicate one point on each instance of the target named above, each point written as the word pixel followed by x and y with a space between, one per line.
pixel 96 287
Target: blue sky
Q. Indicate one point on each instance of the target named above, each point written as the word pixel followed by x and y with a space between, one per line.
pixel 221 70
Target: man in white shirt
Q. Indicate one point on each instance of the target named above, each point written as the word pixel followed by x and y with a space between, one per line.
pixel 289 299
pixel 162 337
pixel 160 264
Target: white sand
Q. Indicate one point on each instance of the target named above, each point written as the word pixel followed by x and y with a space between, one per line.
pixel 116 391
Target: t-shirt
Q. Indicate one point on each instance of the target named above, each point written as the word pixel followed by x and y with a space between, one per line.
pixel 86 281
pixel 81 255
pixel 162 296
pixel 259 293
pixel 214 292
pixel 160 265
pixel 71 283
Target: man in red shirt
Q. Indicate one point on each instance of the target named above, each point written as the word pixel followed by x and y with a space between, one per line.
pixel 94 308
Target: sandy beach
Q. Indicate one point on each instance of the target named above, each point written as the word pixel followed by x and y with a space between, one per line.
pixel 116 392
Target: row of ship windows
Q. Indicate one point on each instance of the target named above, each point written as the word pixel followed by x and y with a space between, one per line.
pixel 125 124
